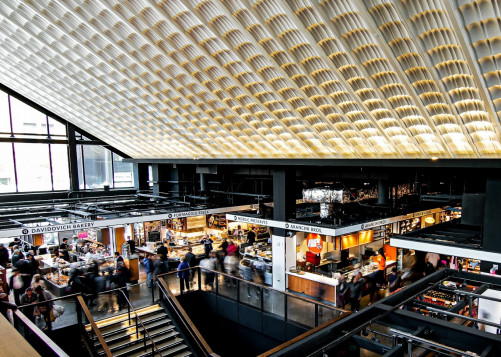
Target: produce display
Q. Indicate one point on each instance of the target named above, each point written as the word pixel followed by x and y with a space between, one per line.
pixel 56 278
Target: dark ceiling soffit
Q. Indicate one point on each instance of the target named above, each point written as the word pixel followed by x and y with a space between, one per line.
pixel 31 103
pixel 411 163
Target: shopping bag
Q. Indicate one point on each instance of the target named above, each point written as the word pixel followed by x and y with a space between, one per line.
pixel 58 310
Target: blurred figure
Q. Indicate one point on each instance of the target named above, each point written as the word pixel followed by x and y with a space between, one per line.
pixel 433 259
pixel 16 255
pixel 355 288
pixel 119 281
pixel 394 281
pixel 231 267
pixel 38 280
pixel 409 263
pixel 16 283
pixel 45 308
pixel 232 248
pixel 209 263
pixel 191 259
pixel 4 255
pixel 340 291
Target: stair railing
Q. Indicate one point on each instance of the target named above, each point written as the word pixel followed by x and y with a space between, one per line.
pixel 93 325
pixel 154 348
pixel 195 335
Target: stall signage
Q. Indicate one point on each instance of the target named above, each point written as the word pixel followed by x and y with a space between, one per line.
pixel 115 221
pixel 314 243
pixel 280 224
pixel 381 222
pixel 57 228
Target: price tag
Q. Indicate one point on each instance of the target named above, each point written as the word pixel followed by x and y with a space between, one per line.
pixel 433 299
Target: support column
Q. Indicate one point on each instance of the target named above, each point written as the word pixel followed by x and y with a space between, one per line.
pixel 141 176
pixel 284 208
pixel 72 157
pixel 382 192
pixel 492 223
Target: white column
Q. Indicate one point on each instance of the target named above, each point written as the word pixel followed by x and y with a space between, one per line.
pixel 284 258
pixel 278 265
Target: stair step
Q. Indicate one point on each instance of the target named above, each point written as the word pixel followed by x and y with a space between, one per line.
pixel 167 352
pixel 126 340
pixel 164 339
pixel 117 319
pixel 124 325
pixel 151 326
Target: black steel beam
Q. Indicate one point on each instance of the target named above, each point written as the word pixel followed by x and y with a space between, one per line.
pixel 395 163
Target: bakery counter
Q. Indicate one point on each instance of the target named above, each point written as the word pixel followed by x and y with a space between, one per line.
pixel 313 285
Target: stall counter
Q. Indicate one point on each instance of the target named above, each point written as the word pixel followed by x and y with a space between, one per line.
pixel 312 284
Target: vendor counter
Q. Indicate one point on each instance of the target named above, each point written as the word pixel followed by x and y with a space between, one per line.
pixel 313 285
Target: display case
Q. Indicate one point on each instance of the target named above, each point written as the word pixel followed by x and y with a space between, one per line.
pixel 217 221
pixel 177 224
pixel 258 257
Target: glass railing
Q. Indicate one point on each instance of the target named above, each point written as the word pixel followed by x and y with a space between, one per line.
pixel 292 308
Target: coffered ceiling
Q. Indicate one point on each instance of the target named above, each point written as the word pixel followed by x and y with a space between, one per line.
pixel 264 79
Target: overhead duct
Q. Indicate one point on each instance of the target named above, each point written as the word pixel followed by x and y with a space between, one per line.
pixel 325 196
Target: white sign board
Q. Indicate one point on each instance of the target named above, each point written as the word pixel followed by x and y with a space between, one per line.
pixel 49 228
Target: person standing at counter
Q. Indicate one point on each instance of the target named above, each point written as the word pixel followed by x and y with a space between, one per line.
pixel 207 245
pixel 148 269
pixel 355 287
pixel 238 232
pixel 251 236
pixel 119 260
pixel 65 248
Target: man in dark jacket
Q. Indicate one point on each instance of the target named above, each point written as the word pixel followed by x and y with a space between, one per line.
pixel 355 287
pixel 251 236
pixel 4 255
pixel 191 259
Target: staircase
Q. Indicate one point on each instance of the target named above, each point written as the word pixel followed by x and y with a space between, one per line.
pixel 121 338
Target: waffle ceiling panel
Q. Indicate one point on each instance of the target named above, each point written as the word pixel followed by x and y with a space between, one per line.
pixel 264 79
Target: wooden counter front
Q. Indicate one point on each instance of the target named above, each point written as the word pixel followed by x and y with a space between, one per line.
pixel 312 288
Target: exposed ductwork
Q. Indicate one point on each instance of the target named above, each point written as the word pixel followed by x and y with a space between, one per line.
pixel 325 196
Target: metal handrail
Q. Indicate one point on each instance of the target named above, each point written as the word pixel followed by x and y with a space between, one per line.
pixel 40 334
pixel 94 326
pixel 412 338
pixel 295 296
pixel 186 320
pixel 138 319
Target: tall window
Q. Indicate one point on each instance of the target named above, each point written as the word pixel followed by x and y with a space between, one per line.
pixel 28 165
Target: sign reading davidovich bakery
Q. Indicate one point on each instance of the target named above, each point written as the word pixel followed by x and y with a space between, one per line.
pixel 50 228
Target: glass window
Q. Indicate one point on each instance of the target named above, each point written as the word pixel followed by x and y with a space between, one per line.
pixel 80 163
pixel 56 128
pixel 97 166
pixel 150 176
pixel 122 172
pixel 33 167
pixel 26 119
pixel 60 169
pixel 4 113
pixel 7 177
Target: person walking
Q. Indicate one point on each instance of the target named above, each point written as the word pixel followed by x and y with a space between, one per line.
pixel 4 256
pixel 191 259
pixel 394 281
pixel 148 269
pixel 183 275
pixel 17 284
pixel 29 297
pixel 45 308
pixel 355 287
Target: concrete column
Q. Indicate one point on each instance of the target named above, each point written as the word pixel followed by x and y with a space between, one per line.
pixel 382 192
